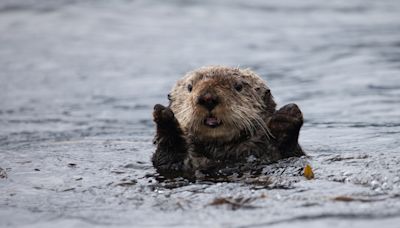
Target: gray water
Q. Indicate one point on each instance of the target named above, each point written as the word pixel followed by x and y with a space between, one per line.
pixel 79 80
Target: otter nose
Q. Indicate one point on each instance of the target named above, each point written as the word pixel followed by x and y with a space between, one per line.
pixel 208 100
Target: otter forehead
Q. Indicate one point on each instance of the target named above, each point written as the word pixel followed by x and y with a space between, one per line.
pixel 218 77
pixel 216 73
pixel 223 75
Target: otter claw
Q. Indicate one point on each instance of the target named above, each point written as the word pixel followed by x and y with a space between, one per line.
pixel 159 107
pixel 162 114
pixel 290 110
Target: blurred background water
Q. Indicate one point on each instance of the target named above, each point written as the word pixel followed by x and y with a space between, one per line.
pixel 78 81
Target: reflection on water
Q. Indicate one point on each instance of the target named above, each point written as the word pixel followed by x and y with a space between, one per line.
pixel 79 79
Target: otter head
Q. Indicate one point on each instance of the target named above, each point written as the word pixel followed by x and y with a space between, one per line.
pixel 221 103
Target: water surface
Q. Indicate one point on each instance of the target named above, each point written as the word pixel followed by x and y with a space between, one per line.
pixel 79 80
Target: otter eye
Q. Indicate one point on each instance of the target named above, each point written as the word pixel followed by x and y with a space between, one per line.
pixel 190 87
pixel 238 87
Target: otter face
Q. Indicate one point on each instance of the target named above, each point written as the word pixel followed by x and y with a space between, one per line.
pixel 221 103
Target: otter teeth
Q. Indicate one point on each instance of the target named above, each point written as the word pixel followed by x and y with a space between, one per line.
pixel 212 121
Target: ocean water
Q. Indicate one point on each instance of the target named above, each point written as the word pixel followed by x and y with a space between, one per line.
pixel 78 81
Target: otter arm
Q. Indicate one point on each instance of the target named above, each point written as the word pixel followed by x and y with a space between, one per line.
pixel 171 145
pixel 285 126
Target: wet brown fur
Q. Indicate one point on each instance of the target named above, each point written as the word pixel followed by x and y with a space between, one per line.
pixel 250 124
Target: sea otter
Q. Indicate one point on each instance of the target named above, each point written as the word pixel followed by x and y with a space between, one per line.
pixel 219 116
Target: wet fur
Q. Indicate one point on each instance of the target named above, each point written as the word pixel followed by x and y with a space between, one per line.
pixel 251 126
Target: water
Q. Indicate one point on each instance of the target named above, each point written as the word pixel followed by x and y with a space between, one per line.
pixel 79 80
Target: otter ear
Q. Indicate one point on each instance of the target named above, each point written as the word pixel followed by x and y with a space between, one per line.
pixel 269 102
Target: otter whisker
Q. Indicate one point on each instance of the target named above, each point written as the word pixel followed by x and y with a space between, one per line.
pixel 242 122
pixel 245 117
pixel 264 127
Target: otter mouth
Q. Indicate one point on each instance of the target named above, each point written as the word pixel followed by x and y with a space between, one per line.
pixel 212 122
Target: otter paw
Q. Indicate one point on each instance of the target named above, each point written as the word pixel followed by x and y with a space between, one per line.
pixel 290 111
pixel 287 120
pixel 279 124
pixel 285 124
pixel 162 114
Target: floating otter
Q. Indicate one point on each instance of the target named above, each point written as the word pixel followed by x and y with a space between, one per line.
pixel 218 116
